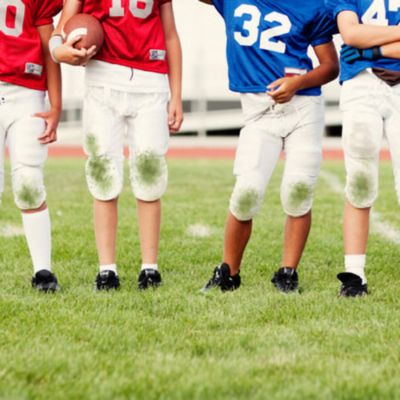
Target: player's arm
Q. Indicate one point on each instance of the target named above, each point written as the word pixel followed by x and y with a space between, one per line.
pixel 174 57
pixel 363 36
pixel 282 90
pixel 206 1
pixel 52 117
pixel 65 52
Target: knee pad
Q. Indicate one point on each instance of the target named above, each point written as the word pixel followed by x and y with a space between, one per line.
pixel 103 177
pixel 28 188
pixel 245 202
pixel 149 175
pixel 361 188
pixel 297 195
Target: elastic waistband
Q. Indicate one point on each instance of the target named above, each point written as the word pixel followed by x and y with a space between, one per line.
pixel 9 91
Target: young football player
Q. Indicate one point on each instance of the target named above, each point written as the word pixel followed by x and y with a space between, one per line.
pixel 267 44
pixel 26 72
pixel 127 89
pixel 370 101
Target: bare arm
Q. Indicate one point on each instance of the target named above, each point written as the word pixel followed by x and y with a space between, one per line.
pixel 363 36
pixel 71 7
pixel 174 57
pixel 52 116
pixel 67 53
pixel 282 90
pixel 391 50
pixel 206 1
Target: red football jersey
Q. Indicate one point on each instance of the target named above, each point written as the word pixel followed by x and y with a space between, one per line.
pixel 134 35
pixel 21 56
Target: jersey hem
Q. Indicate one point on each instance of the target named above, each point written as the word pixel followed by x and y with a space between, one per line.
pixel 131 64
pixel 257 89
pixel 27 85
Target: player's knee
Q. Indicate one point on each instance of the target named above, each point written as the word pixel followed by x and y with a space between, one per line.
pixel 28 188
pixel 103 177
pixel 361 189
pixel 245 202
pixel 297 196
pixel 149 175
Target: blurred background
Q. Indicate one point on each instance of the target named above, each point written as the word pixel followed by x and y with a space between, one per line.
pixel 210 108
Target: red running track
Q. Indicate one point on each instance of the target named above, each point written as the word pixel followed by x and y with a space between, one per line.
pixel 193 153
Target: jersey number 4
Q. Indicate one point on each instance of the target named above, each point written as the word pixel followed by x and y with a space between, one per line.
pixel 138 8
pixel 268 37
pixel 377 13
pixel 15 11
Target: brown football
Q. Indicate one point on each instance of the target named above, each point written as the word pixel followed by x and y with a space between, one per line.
pixel 86 26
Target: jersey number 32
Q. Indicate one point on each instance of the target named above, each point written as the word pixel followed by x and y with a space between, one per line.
pixel 250 32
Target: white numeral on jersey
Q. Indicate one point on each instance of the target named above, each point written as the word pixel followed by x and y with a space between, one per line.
pixel 282 29
pixel 252 27
pixel 19 8
pixel 139 8
pixel 394 5
pixel 376 14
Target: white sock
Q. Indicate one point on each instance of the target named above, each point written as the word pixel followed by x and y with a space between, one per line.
pixel 37 229
pixel 355 264
pixel 149 266
pixel 109 267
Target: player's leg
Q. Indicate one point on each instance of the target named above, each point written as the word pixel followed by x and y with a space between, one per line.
pixel 148 141
pixel 391 127
pixel 103 130
pixel 257 155
pixel 2 151
pixel 362 135
pixel 303 149
pixel 27 158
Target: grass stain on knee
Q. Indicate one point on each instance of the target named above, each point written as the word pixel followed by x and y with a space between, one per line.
pixel 361 187
pixel 149 167
pixel 99 171
pixel 91 145
pixel 299 193
pixel 29 195
pixel 247 200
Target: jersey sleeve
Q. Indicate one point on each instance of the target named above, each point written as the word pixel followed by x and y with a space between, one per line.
pixel 219 5
pixel 337 6
pixel 323 28
pixel 161 2
pixel 46 10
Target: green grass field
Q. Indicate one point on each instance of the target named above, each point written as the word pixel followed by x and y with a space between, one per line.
pixel 176 343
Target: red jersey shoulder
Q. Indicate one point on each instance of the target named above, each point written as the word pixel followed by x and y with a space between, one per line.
pixel 46 10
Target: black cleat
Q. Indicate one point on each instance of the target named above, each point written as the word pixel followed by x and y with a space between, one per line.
pixel 222 279
pixel 286 280
pixel 149 278
pixel 352 285
pixel 45 281
pixel 106 280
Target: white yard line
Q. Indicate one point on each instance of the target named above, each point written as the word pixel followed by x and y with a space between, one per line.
pixel 11 230
pixel 378 224
pixel 199 230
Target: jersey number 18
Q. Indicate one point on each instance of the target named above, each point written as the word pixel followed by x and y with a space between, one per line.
pixel 15 8
pixel 138 8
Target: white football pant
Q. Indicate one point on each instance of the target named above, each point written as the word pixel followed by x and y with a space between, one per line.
pixel 20 130
pixel 108 114
pixel 371 109
pixel 295 127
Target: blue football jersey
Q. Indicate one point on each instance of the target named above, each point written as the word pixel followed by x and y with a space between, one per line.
pixel 370 12
pixel 269 39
